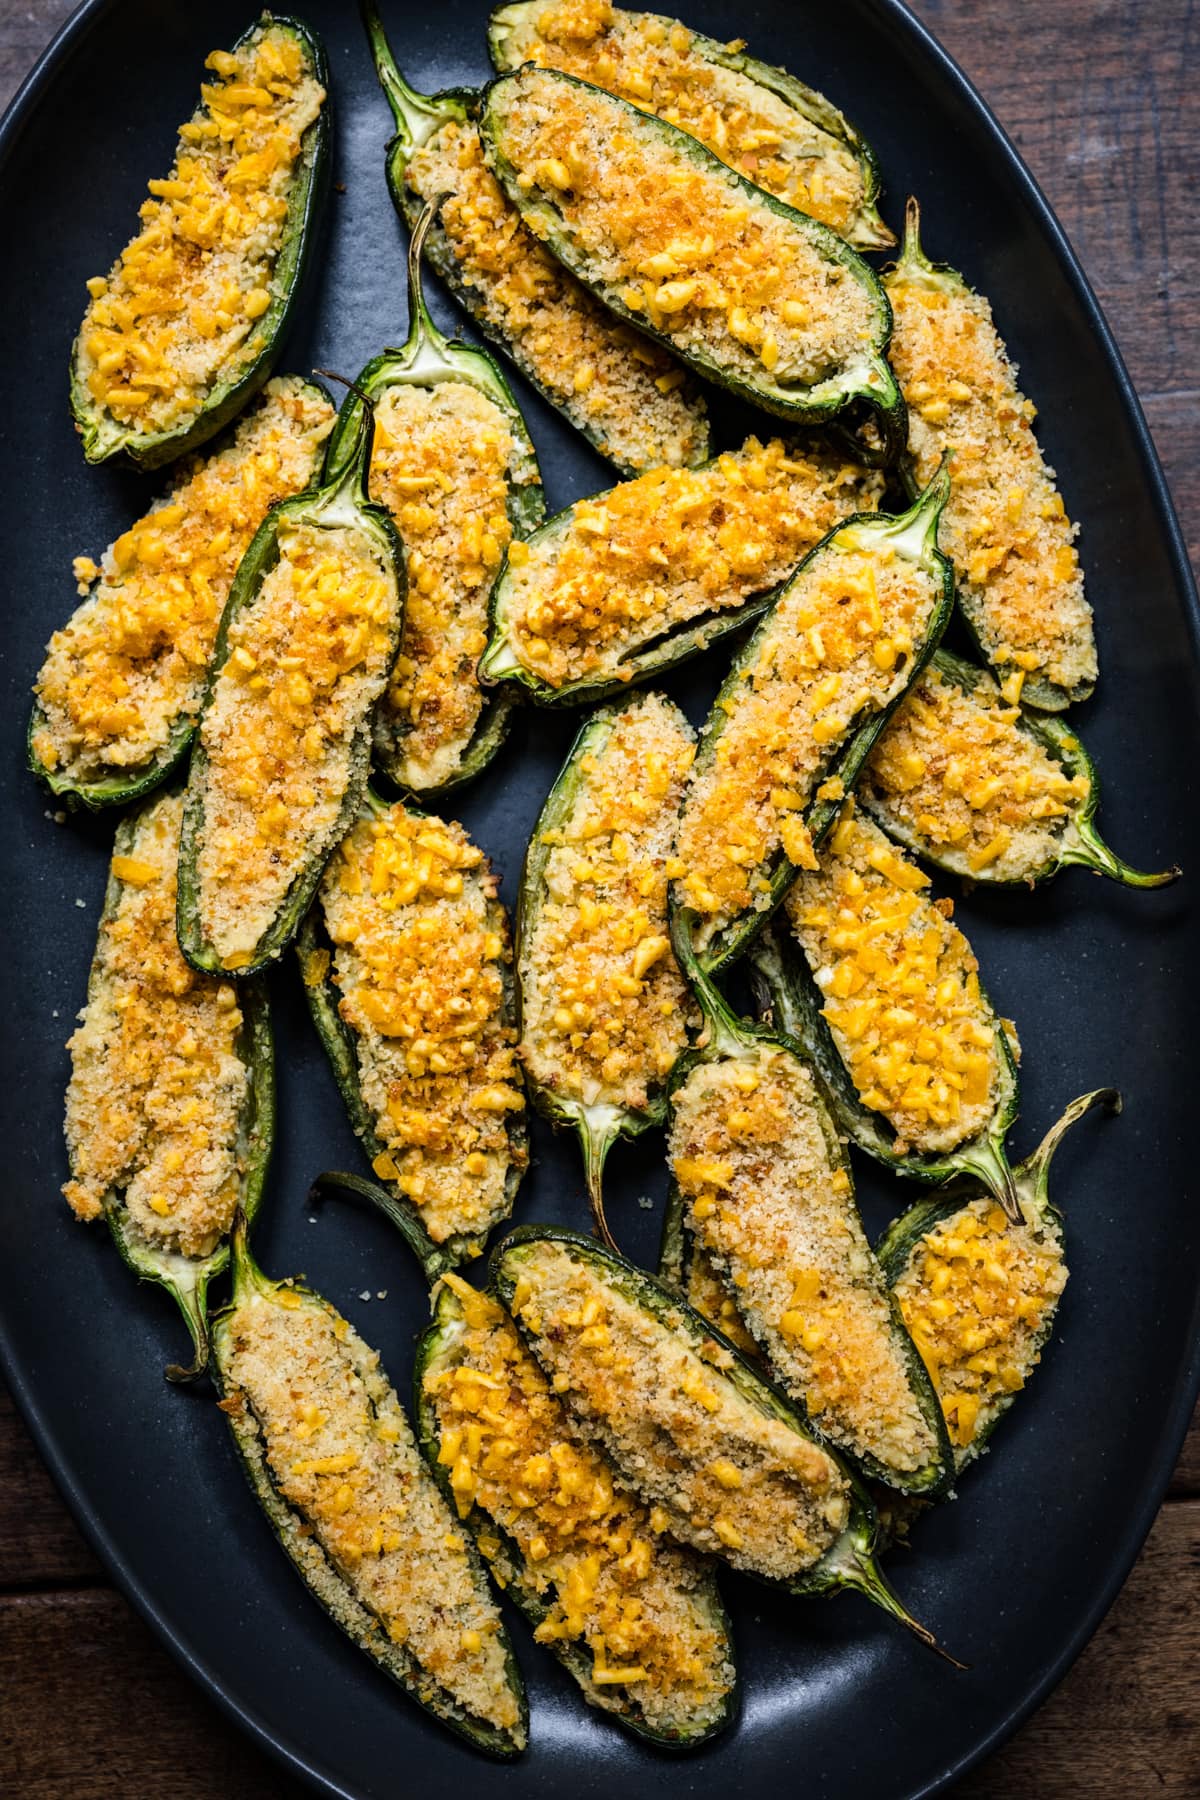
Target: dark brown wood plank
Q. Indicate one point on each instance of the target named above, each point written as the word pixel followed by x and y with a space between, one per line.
pixel 92 1706
pixel 39 1545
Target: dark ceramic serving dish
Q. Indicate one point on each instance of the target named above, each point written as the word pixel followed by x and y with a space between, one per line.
pixel 1105 986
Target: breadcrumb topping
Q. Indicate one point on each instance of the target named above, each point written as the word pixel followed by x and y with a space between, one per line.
pixel 307 659
pixel 772 1206
pixel 158 1090
pixel 341 1454
pixel 901 989
pixel 956 771
pixel 656 63
pixel 976 1294
pixel 605 1010
pixel 836 647
pixel 669 548
pixel 590 1550
pixel 178 312
pixel 443 461
pixel 1005 527
pixel 729 1479
pixel 130 664
pixel 722 275
pixel 420 950
pixel 629 395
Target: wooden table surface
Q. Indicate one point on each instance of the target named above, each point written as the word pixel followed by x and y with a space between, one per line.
pixel 1096 94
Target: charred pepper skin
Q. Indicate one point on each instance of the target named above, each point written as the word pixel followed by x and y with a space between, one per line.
pixel 306 204
pixel 426 359
pixel 871 389
pixel 343 496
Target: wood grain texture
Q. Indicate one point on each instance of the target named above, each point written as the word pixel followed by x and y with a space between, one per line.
pixel 1097 95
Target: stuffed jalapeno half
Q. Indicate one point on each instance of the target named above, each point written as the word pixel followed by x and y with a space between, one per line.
pixel 303 654
pixel 604 1010
pixel 1020 587
pixel 116 700
pixel 882 990
pixel 170 1107
pixel 764 123
pixel 188 322
pixel 979 1294
pixel 332 1461
pixel 988 790
pixel 749 293
pixel 731 1467
pixel 454 466
pixel 803 704
pixel 766 1192
pixel 407 971
pixel 633 402
pixel 624 586
pixel 634 1618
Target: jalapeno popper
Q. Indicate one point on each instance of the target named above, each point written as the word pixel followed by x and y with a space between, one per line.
pixel 764 1188
pixel 1005 528
pixel 630 399
pixel 636 1619
pixel 454 466
pixel 920 1070
pixel 188 321
pixel 750 293
pixel 985 789
pixel 331 1459
pixel 759 119
pixel 406 968
pixel 304 652
pixel 729 1465
pixel 978 1293
pixel 119 692
pixel 170 1108
pixel 627 584
pixel 740 1481
pixel 799 711
pixel 604 1008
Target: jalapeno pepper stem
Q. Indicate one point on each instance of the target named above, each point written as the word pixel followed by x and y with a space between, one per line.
pixel 1033 1174
pixel 723 1035
pixel 191 1297
pixel 865 1577
pixel 248 1278
pixel 434 1262
pixel 422 329
pixel 351 474
pixel 1091 852
pixel 417 115
pixel 596 1141
pixel 988 1162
